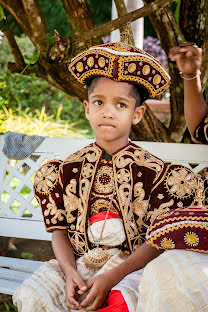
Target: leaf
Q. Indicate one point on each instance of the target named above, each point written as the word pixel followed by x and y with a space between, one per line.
pixel 2 15
pixel 177 10
pixel 26 255
pixel 2 84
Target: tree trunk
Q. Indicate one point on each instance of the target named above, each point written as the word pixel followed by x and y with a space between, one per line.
pixel 51 64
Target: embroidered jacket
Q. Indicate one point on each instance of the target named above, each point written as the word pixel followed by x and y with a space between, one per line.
pixel 201 132
pixel 145 187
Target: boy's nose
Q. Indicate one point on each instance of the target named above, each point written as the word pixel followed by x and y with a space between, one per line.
pixel 107 113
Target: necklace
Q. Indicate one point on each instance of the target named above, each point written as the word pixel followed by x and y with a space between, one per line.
pixel 95 258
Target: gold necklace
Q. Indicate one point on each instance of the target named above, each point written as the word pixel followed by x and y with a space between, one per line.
pixel 95 258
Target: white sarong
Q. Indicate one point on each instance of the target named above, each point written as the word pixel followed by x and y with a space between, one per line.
pixel 44 291
pixel 176 281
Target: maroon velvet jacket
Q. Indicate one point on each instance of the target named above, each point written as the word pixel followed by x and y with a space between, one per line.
pixel 145 187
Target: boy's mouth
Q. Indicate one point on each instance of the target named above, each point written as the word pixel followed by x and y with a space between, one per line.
pixel 106 126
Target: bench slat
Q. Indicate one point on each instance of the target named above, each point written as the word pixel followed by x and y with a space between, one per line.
pixel 13 275
pixel 23 228
pixel 23 265
pixel 8 287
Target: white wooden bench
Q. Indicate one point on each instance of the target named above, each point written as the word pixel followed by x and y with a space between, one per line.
pixel 20 216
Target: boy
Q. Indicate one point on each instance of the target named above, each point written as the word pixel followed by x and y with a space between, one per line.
pixel 189 59
pixel 100 200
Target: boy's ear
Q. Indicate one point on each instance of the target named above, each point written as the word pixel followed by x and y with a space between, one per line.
pixel 138 113
pixel 86 105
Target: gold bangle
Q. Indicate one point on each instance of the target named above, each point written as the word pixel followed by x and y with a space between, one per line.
pixel 198 73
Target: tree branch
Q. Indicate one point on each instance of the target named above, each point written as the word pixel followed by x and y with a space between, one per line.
pixel 37 25
pixel 125 30
pixel 150 128
pixel 19 60
pixel 170 35
pixel 79 15
pixel 108 27
pixel 16 9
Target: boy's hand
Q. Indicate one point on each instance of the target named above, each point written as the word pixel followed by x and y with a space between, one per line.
pixel 74 285
pixel 99 288
pixel 188 59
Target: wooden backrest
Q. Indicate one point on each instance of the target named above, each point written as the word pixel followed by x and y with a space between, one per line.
pixel 20 214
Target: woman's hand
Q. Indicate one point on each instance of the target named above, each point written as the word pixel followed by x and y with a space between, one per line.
pixel 188 59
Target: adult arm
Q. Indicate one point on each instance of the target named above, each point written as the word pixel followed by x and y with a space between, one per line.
pixel 189 60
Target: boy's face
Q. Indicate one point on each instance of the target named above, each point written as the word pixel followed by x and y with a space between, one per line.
pixel 111 111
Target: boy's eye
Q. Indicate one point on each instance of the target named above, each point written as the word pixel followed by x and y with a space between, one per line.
pixel 98 102
pixel 121 105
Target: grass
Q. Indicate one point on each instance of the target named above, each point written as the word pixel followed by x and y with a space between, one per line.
pixel 39 123
pixel 6 304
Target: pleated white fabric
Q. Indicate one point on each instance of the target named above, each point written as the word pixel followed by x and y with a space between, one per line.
pixel 176 281
pixel 44 291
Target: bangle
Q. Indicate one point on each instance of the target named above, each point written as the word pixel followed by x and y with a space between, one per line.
pixel 198 73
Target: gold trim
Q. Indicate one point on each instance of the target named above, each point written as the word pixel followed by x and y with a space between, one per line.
pixel 98 72
pixel 149 86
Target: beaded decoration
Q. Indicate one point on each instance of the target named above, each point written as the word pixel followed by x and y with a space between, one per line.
pixel 121 62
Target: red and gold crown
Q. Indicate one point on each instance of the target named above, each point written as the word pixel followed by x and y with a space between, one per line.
pixel 121 62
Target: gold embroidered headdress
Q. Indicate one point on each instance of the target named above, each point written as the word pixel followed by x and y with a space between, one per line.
pixel 121 62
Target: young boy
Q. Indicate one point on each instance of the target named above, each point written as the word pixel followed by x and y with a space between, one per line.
pixel 189 59
pixel 100 200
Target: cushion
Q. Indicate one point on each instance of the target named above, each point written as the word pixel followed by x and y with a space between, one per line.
pixel 180 228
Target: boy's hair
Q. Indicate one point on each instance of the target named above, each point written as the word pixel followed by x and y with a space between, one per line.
pixel 137 92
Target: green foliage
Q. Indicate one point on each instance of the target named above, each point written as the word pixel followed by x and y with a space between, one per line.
pixel 26 100
pixel 101 13
pixel 39 123
pixel 1 13
pixel 177 10
pixel 8 21
pixel 55 17
pixel 6 305
pixel 26 255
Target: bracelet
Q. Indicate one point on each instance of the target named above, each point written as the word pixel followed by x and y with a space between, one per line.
pixel 198 73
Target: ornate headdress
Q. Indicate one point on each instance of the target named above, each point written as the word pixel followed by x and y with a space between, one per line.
pixel 121 62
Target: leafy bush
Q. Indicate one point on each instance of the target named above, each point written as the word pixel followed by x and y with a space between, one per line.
pixel 26 98
pixel 39 123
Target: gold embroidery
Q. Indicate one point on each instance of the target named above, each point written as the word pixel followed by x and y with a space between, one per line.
pixel 181 183
pixel 141 158
pixel 123 176
pixel 139 205
pixel 104 182
pixel 79 67
pixel 71 202
pixel 191 239
pixel 53 210
pixel 132 67
pixel 164 207
pixel 87 170
pixel 167 243
pixel 45 179
pixel 146 70
pixel 101 62
pixel 90 61
pixel 102 205
pixel 124 191
pixel 78 243
pixel 149 161
pixel 157 79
